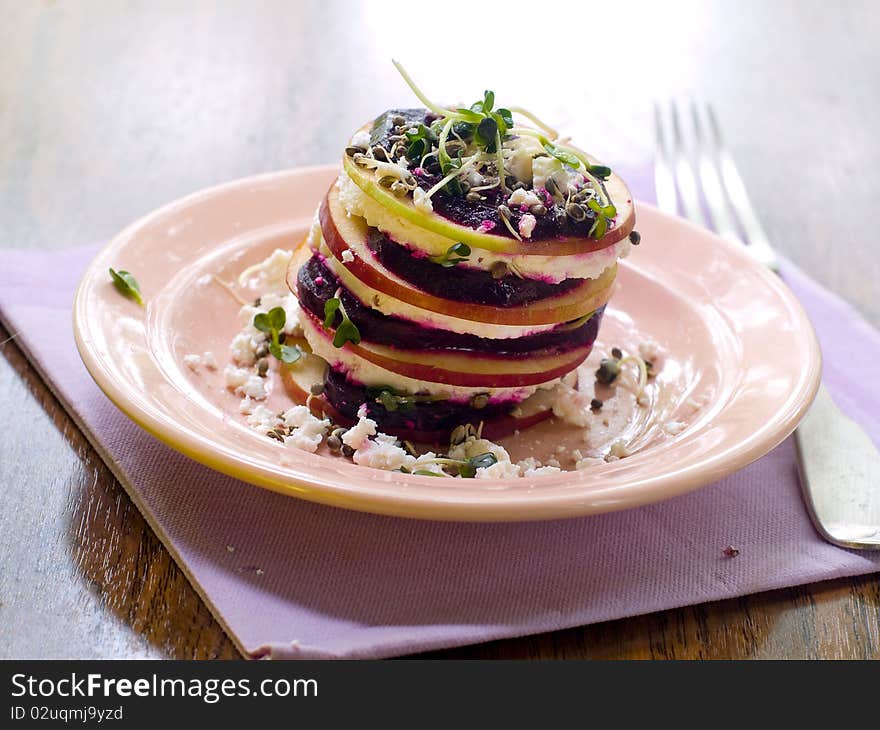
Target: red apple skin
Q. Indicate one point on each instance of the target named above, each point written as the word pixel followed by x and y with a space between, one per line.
pixel 588 297
pixel 433 374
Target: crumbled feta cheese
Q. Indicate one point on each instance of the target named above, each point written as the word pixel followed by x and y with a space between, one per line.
pixel 544 167
pixel 526 225
pixel 524 197
pixel 425 463
pixel 649 350
pixel 421 202
pixel 244 382
pixel 358 434
pixel 236 377
pixel 192 361
pixel 530 462
pixel 571 405
pixel 360 139
pixel 499 470
pixel 244 347
pixel 347 256
pixel 298 416
pixel 384 438
pixel 518 156
pixel 588 462
pixel 270 275
pixel 673 428
pixel 618 451
pixel 542 471
pixel 255 387
pixel 307 431
pixel 263 419
pixel 380 454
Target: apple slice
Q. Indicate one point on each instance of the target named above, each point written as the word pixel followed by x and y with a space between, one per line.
pixel 404 207
pixel 471 371
pixel 342 232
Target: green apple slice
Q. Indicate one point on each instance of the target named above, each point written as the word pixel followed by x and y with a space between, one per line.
pixel 367 181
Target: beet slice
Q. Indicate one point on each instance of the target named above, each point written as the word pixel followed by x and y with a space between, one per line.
pixel 316 284
pixel 347 397
pixel 461 283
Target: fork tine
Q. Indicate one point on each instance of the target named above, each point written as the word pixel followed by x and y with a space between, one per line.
pixel 713 192
pixel 684 172
pixel 758 243
pixel 664 180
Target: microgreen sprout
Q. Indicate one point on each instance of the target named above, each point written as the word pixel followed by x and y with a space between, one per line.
pixel 393 400
pixel 467 468
pixel 346 330
pixel 127 285
pixel 457 253
pixel 272 324
pixel 610 367
pixel 419 142
pixel 481 131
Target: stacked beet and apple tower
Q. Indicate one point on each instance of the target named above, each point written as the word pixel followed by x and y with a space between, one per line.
pixel 458 265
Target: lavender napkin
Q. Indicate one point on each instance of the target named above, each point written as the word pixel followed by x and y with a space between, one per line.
pixel 291 579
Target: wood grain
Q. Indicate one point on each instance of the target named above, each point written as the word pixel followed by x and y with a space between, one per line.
pixel 108 110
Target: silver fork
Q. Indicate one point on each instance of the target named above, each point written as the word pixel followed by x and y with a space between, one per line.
pixel 838 463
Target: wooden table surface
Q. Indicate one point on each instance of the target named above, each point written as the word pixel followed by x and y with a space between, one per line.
pixel 108 110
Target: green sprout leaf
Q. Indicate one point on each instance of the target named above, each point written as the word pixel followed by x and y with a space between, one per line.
pixel 488 101
pixel 504 119
pixel 472 116
pixel 331 306
pixel 426 473
pixel 455 254
pixel 562 155
pixel 286 353
pixel 393 400
pixel 274 319
pixel 485 134
pixel 272 323
pixel 468 469
pixel 604 215
pixel 600 171
pixel 346 330
pixel 127 285
pixel 419 142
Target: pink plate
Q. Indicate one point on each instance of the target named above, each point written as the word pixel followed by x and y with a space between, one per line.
pixel 741 360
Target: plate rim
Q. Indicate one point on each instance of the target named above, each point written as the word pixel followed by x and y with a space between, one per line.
pixel 515 506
